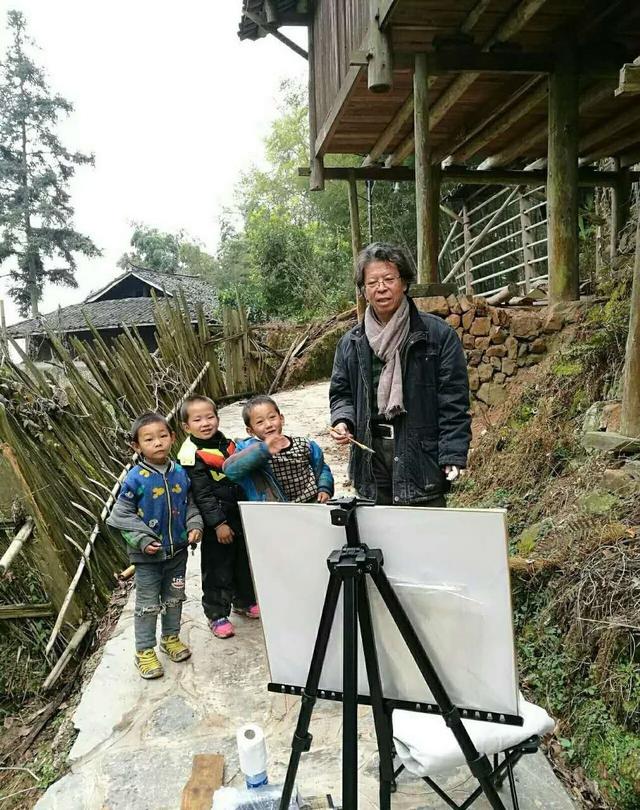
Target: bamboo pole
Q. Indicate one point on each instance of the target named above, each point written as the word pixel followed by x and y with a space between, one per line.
pixel 103 514
pixel 16 546
pixel 64 659
pixel 479 237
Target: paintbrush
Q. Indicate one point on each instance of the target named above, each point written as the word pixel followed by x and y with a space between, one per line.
pixel 352 440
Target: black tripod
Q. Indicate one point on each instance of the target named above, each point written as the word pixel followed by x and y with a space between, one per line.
pixel 349 567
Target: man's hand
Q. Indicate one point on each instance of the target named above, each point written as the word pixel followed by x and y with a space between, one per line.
pixel 323 497
pixel 451 471
pixel 276 443
pixel 194 536
pixel 153 548
pixel 225 534
pixel 340 433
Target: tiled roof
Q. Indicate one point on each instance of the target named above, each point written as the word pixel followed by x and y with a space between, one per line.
pixel 113 313
pixel 247 29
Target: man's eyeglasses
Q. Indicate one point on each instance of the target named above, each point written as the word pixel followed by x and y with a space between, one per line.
pixel 386 281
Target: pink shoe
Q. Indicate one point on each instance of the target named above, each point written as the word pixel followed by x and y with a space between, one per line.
pixel 251 612
pixel 222 628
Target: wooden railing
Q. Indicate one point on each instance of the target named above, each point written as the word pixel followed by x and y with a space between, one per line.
pixel 500 240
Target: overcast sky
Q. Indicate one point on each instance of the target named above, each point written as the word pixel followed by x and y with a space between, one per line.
pixel 171 103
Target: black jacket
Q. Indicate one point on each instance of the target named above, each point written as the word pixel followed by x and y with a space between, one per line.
pixel 436 428
pixel 216 496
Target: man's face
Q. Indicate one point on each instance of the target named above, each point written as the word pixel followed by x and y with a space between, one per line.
pixel 383 288
pixel 202 420
pixel 154 442
pixel 265 421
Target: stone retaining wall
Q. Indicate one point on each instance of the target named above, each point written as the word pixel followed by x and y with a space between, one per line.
pixel 497 341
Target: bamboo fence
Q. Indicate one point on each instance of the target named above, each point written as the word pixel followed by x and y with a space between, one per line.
pixel 64 433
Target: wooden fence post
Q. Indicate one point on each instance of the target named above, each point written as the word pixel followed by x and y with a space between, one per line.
pixel 620 199
pixel 468 265
pixel 630 417
pixel 562 180
pixel 427 179
pixel 527 239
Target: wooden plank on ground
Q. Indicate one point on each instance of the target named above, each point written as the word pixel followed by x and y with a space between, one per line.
pixel 205 779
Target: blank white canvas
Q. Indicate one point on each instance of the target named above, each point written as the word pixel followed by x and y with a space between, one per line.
pixel 449 568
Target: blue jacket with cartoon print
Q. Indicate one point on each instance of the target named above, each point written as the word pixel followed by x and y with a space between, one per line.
pixel 154 504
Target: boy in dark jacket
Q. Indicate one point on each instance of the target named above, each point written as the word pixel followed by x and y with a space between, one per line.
pixel 226 576
pixel 158 519
pixel 273 467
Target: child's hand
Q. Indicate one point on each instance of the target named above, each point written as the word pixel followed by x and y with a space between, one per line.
pixel 153 548
pixel 225 534
pixel 276 443
pixel 323 497
pixel 195 536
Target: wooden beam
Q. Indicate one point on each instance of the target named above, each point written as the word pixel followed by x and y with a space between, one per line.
pixel 315 161
pixel 380 68
pixel 612 148
pixel 503 124
pixel 562 183
pixel 630 416
pixel 390 133
pixel 206 777
pixel 469 59
pixel 356 240
pixel 385 10
pixel 337 108
pixel 427 178
pixel 536 136
pixel 514 21
pixel 587 178
pixel 604 132
pixel 630 158
pixel 629 83
pixel 263 25
pixel 473 17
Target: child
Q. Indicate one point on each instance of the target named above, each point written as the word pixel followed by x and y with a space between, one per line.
pixel 226 576
pixel 158 519
pixel 273 467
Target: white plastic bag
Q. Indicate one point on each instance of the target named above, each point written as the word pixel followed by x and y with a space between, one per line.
pixel 263 798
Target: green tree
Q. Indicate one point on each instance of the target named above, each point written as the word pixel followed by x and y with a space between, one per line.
pixel 167 253
pixel 36 229
pixel 290 253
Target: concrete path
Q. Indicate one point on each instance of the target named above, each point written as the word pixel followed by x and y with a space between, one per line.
pixel 136 738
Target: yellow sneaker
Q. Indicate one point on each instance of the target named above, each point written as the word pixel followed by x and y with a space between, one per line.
pixel 148 665
pixel 174 648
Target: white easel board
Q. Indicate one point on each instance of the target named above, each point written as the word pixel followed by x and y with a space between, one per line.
pixel 449 568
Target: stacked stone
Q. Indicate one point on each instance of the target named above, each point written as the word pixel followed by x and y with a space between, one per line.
pixel 497 342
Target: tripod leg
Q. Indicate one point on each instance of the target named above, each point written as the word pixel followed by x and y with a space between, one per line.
pixel 478 764
pixel 350 696
pixel 301 737
pixel 381 720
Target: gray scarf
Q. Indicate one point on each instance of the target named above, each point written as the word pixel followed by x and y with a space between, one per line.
pixel 386 340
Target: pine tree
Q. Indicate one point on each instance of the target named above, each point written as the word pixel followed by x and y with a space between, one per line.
pixel 36 228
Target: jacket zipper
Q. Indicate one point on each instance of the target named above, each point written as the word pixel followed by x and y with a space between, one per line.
pixel 168 494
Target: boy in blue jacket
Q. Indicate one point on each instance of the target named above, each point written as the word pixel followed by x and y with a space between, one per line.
pixel 271 466
pixel 158 520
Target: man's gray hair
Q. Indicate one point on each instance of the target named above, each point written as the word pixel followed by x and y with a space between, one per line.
pixel 384 252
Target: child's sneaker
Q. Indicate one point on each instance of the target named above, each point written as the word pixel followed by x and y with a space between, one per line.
pixel 174 648
pixel 222 628
pixel 251 612
pixel 148 665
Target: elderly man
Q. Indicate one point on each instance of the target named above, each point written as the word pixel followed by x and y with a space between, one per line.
pixel 399 385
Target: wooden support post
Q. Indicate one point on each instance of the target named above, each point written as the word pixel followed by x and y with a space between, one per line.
pixel 527 239
pixel 562 181
pixel 468 265
pixel 630 416
pixel 427 179
pixel 316 182
pixel 356 239
pixel 380 68
pixel 620 203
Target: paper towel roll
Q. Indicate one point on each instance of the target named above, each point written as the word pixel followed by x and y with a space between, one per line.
pixel 252 749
